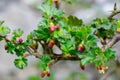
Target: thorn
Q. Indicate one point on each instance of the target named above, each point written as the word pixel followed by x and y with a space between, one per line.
pixel 115 6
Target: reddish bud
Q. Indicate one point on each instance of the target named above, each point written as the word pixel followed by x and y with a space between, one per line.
pixel 57 27
pixel 80 48
pixel 82 67
pixel 52 28
pixel 99 68
pixel 20 40
pixel 55 1
pixel 6 47
pixel 48 74
pixel 43 74
pixel 102 68
pixel 51 43
pixel 52 18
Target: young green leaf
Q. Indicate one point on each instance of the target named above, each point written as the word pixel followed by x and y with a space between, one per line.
pixel 11 47
pixel 18 32
pixel 42 34
pixel 109 53
pixel 74 21
pixel 68 45
pixel 83 32
pixel 20 49
pixel 20 63
pixel 45 59
pixel 4 30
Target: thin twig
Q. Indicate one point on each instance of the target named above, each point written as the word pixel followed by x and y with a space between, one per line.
pixel 53 62
pixel 37 55
pixel 113 41
pixel 63 57
pixel 113 14
pixel 55 56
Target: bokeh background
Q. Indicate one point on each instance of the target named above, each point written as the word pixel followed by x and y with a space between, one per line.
pixel 25 14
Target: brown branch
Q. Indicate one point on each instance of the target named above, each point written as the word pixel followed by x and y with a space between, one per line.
pixel 113 41
pixel 52 62
pixel 52 55
pixel 37 55
pixel 55 56
pixel 113 14
pixel 63 57
pixel 44 46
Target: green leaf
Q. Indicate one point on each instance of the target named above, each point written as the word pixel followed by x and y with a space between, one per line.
pixel 42 65
pixel 20 63
pixel 42 34
pixel 43 24
pixel 86 60
pixel 20 49
pixel 1 38
pixel 11 47
pixel 74 21
pixel 103 23
pixel 83 32
pixel 118 24
pixel 98 51
pixel 97 62
pixel 45 59
pixel 91 41
pixel 109 53
pixel 68 45
pixel 49 1
pixel 62 35
pixel 49 10
pixel 18 33
pixel 110 33
pixel 45 8
pixel 4 30
pixel 106 26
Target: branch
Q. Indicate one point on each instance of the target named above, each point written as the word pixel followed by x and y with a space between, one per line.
pixel 63 57
pixel 113 14
pixel 37 55
pixel 56 56
pixel 53 55
pixel 113 41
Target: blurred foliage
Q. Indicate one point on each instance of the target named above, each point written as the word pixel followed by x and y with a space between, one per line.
pixel 76 76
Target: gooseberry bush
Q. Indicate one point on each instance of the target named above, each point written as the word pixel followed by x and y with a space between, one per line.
pixel 77 41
